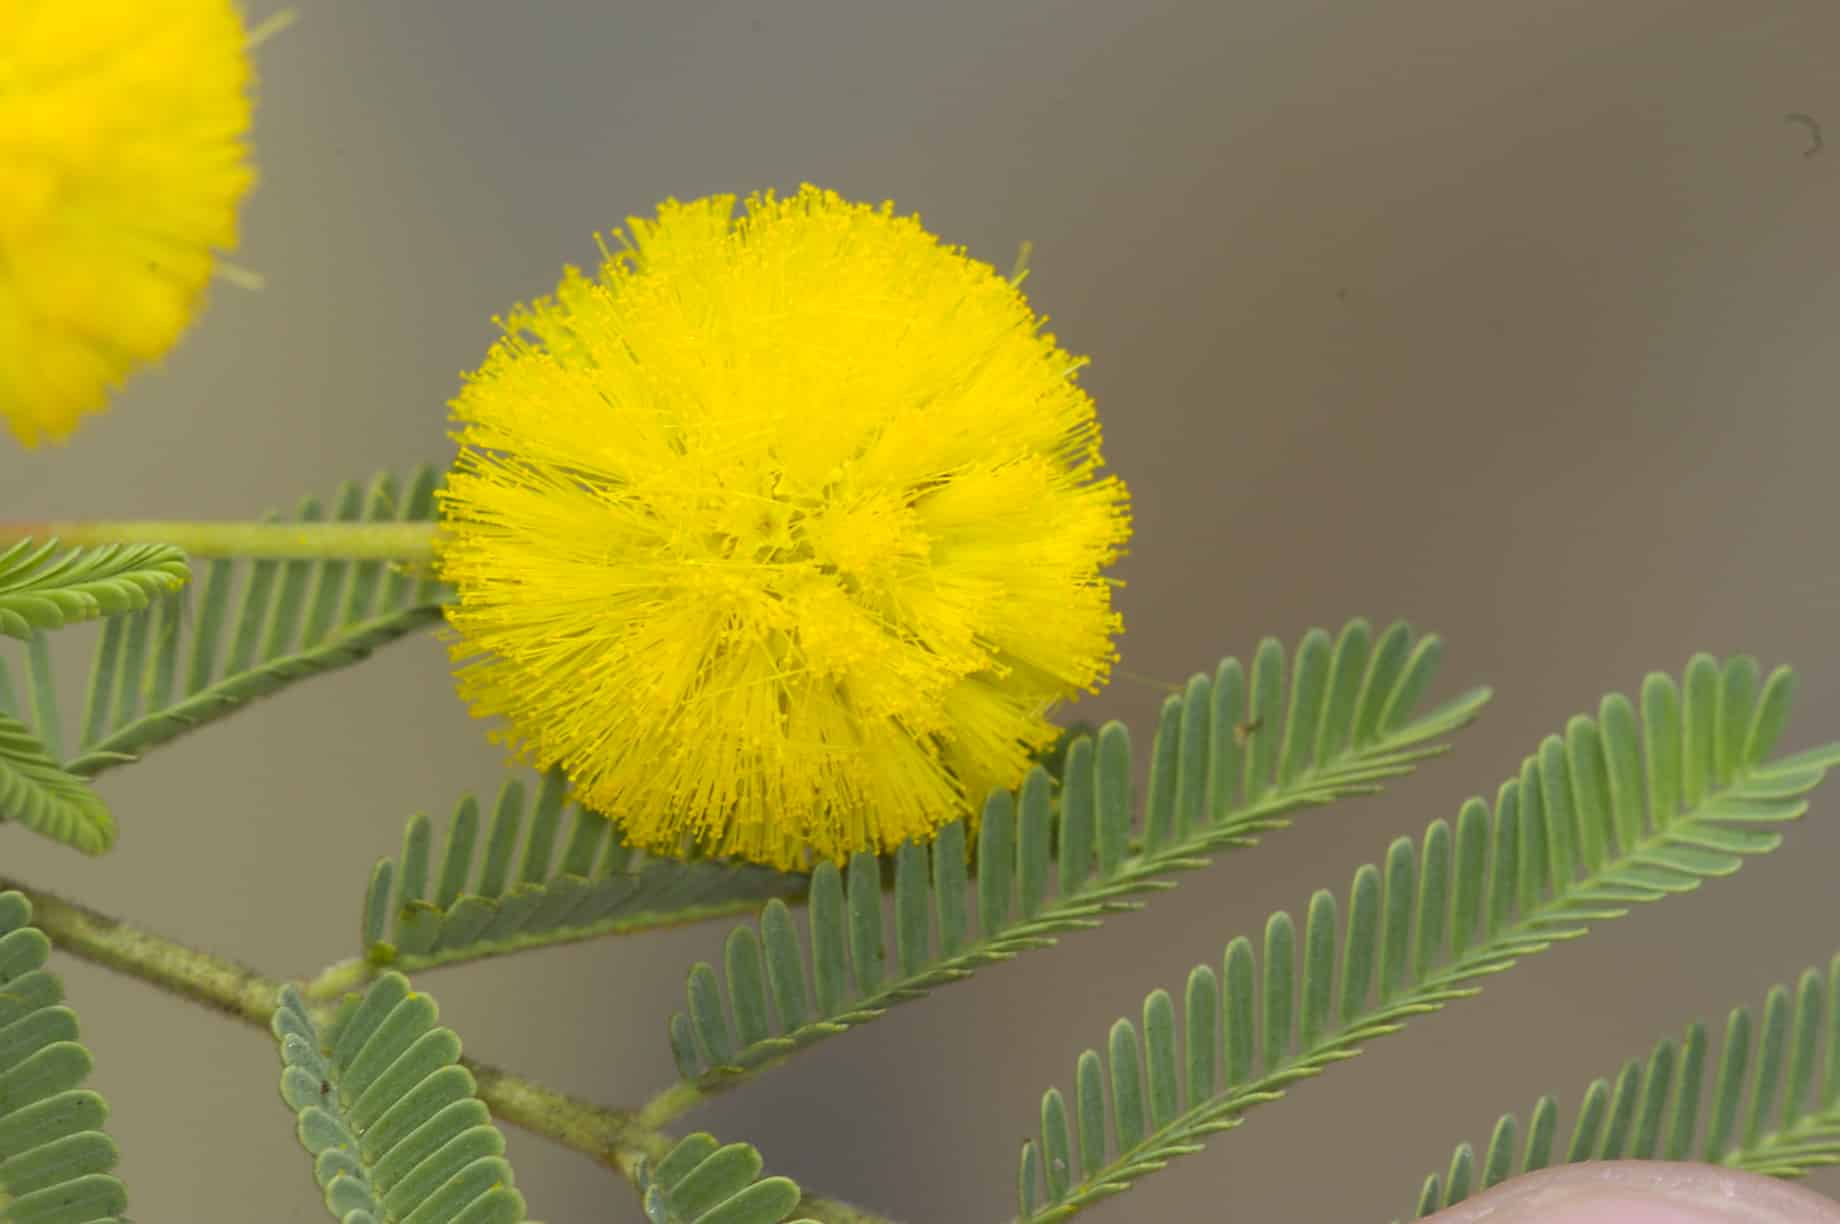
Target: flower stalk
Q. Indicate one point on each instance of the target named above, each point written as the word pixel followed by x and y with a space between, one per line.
pixel 405 542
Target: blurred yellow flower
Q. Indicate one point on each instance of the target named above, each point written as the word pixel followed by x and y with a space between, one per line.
pixel 783 534
pixel 122 160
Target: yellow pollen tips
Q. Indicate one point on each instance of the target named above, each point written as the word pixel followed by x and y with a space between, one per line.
pixel 782 535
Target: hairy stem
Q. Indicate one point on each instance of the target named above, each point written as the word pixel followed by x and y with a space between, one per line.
pixel 671 1103
pixel 338 978
pixel 282 541
pixel 609 1135
pixel 613 1137
pixel 244 994
pixel 221 985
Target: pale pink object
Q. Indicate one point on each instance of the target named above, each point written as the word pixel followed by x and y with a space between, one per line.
pixel 1643 1192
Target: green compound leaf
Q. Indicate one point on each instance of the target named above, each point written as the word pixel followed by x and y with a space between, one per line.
pixel 1666 1107
pixel 1231 760
pixel 702 1182
pixel 1612 813
pixel 44 798
pixel 57 1161
pixel 40 591
pixel 530 886
pixel 389 1116
pixel 169 668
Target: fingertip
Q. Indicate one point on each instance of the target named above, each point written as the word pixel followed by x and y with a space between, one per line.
pixel 1643 1192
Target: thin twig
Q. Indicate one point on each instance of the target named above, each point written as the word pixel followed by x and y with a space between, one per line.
pixel 247 995
pixel 613 1137
pixel 219 984
pixel 411 542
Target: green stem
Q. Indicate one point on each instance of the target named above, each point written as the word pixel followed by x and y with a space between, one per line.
pixel 282 541
pixel 221 985
pixel 338 978
pixel 609 1135
pixel 244 994
pixel 671 1103
pixel 615 1137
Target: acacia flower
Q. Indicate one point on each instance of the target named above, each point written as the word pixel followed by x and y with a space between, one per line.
pixel 781 536
pixel 121 164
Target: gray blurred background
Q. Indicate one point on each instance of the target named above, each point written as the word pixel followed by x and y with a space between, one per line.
pixel 1513 319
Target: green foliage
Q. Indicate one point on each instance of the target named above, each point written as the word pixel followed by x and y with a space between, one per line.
pixel 390 1117
pixel 702 1182
pixel 57 1160
pixel 1230 760
pixel 1619 809
pixel 1053 757
pixel 46 799
pixel 520 895
pixel 1654 1110
pixel 1605 816
pixel 155 677
pixel 39 591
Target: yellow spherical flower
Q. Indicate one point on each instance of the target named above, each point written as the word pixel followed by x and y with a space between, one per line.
pixel 783 535
pixel 121 164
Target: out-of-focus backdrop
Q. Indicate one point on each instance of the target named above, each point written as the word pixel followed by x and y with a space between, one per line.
pixel 1515 320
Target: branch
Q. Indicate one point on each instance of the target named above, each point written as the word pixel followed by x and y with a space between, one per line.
pixel 283 541
pixel 244 994
pixel 222 985
pixel 612 1137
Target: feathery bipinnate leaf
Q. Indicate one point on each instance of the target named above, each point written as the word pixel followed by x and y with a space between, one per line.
pixel 522 895
pixel 1612 813
pixel 40 591
pixel 155 677
pixel 1654 1110
pixel 44 798
pixel 1231 759
pixel 389 1115
pixel 57 1160
pixel 702 1182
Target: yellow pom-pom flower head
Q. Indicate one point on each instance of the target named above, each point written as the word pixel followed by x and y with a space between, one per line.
pixel 783 534
pixel 122 161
